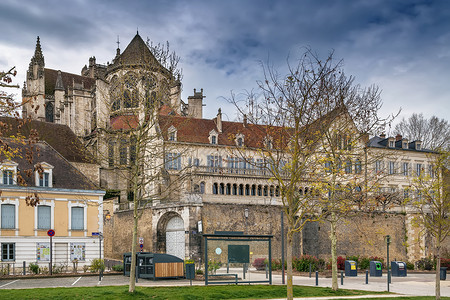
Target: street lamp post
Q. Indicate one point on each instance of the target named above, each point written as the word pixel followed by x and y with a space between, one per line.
pixel 388 241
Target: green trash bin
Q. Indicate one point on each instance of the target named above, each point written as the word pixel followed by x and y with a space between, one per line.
pixel 443 274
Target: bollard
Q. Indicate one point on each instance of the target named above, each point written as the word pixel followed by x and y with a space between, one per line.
pixel 24 268
pixel 317 278
pixel 342 277
pixel 309 270
pixel 367 276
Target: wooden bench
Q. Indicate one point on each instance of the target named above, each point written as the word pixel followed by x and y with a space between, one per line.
pixel 225 275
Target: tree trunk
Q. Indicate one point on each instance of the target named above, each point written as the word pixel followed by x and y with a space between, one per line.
pixel 438 269
pixel 290 291
pixel 333 238
pixel 133 251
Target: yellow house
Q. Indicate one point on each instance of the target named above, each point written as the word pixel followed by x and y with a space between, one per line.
pixel 42 191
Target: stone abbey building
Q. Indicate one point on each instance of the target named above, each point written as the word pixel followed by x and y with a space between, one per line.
pixel 213 188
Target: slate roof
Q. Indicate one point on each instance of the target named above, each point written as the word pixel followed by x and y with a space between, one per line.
pixel 137 53
pixel 68 80
pixel 65 176
pixel 379 142
pixel 60 137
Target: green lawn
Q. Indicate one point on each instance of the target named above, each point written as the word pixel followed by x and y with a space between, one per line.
pixel 194 292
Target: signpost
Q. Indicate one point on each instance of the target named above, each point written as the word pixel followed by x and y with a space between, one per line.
pixel 99 234
pixel 141 243
pixel 51 233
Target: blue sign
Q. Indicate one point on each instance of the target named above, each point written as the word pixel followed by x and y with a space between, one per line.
pixel 141 245
pixel 51 232
pixel 95 233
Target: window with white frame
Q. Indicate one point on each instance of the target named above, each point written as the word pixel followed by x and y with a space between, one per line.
pixel 405 169
pixel 213 138
pixel 44 177
pixel 391 167
pixel 173 161
pixel 9 169
pixel 418 169
pixel 8 177
pixel 358 167
pixel 172 133
pixel 431 171
pixel 379 166
pixel 8 251
pixel 8 214
pixel 44 217
pixel 77 218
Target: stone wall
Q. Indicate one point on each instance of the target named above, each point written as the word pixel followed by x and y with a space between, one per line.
pixel 118 231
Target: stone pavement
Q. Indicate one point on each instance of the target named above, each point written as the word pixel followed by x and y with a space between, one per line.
pixel 412 285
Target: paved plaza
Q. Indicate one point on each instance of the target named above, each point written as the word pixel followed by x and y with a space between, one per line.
pixel 419 284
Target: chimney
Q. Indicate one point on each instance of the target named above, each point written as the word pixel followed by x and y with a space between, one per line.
pixel 245 120
pixel 383 135
pixel 195 105
pixel 219 121
pixel 398 137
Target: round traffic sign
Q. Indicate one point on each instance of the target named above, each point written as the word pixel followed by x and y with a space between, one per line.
pixel 50 232
pixel 141 245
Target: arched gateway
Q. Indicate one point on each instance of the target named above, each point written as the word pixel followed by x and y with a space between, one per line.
pixel 170 235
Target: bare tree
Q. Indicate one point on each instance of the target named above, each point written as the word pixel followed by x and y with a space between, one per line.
pixel 131 134
pixel 433 132
pixel 13 143
pixel 430 202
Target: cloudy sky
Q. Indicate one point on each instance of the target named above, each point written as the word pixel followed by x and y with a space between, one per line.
pixel 401 46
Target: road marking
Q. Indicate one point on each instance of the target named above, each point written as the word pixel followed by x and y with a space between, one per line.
pixel 9 283
pixel 76 280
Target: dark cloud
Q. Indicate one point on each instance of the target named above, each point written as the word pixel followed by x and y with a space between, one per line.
pixel 400 45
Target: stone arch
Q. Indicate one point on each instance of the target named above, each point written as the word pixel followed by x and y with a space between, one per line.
pixel 170 235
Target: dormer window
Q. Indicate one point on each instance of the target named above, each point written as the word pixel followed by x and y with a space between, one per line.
pixel 213 138
pixel 268 142
pixel 405 144
pixel 9 171
pixel 391 142
pixel 239 140
pixel 172 134
pixel 44 175
pixel 418 145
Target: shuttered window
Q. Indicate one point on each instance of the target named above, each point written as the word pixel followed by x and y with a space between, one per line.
pixel 77 218
pixel 8 216
pixel 44 217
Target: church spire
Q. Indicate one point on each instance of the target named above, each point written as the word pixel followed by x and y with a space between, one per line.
pixel 36 67
pixel 38 57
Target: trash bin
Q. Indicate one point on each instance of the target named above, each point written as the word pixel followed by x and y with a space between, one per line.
pixel 398 268
pixel 376 268
pixel 443 274
pixel 351 268
pixel 190 271
pixel 154 265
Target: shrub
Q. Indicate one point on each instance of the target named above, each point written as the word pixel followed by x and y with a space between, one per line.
pixel 117 268
pixel 302 263
pixel 341 263
pixel 199 272
pixel 364 262
pixel 58 269
pixel 352 257
pixel 425 264
pixel 260 263
pixel 34 268
pixel 213 266
pixel 445 262
pixel 85 268
pixel 97 265
pixel 409 265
